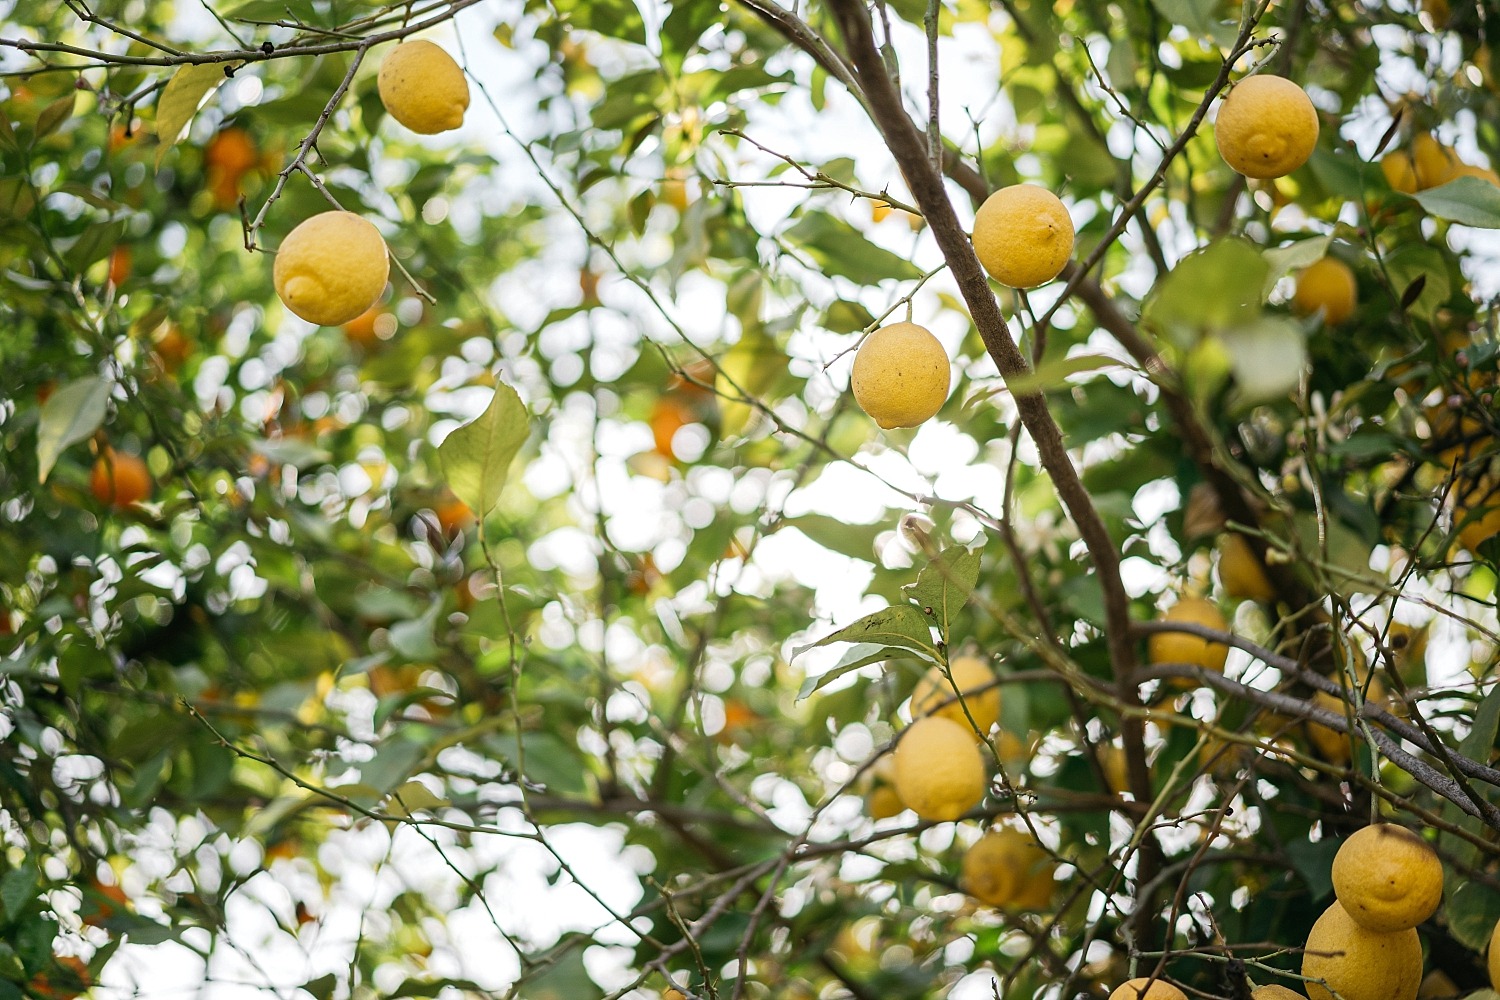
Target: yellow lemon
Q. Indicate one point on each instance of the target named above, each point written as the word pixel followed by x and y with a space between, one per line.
pixel 1241 572
pixel 1274 993
pixel 1387 878
pixel 1137 989
pixel 973 677
pixel 1267 127
pixel 939 772
pixel 883 802
pixel 1494 960
pixel 1115 767
pixel 900 375
pixel 1435 163
pixel 1180 647
pixel 1477 515
pixel 1023 235
pixel 1400 172
pixel 331 268
pixel 1009 869
pixel 1358 963
pixel 423 88
pixel 1473 170
pixel 1329 286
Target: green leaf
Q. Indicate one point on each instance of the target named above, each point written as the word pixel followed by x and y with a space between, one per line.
pixel 748 369
pixel 841 250
pixel 184 94
pixel 1198 16
pixel 942 589
pixel 564 979
pixel 843 316
pixel 322 988
pixel 1267 358
pixel 1469 201
pixel 94 244
pixel 476 457
pixel 1471 907
pixel 18 890
pixel 1292 257
pixel 859 655
pixel 899 625
pixel 1406 264
pixel 70 414
pixel 1236 272
pixel 413 639
pixel 53 115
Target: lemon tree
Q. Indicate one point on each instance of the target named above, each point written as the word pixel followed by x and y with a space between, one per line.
pixel 743 499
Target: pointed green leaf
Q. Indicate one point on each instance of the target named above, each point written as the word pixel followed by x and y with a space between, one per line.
pixel 184 94
pixel 900 625
pixel 943 587
pixel 1267 358
pixel 70 414
pixel 859 655
pixel 476 457
pixel 1469 201
pixel 1236 272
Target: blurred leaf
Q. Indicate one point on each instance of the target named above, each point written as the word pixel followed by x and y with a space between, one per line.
pixel 1469 201
pixel 71 413
pixel 842 251
pixel 184 94
pixel 1414 262
pixel 1283 260
pixel 1199 17
pixel 859 655
pixel 1233 268
pixel 476 457
pixel 1267 358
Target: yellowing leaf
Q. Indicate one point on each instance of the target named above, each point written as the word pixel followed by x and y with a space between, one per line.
pixel 475 457
pixel 185 93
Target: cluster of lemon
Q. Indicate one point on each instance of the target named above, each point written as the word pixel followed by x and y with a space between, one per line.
pixel 333 267
pixel 1023 236
pixel 1428 163
pixel 939 772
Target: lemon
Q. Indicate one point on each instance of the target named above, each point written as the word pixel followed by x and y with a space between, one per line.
pixel 1241 572
pixel 423 88
pixel 973 677
pixel 1180 647
pixel 331 268
pixel 1494 960
pixel 1274 993
pixel 1267 127
pixel 1477 516
pixel 1009 869
pixel 883 802
pixel 939 772
pixel 1435 163
pixel 1358 963
pixel 1387 878
pixel 1136 989
pixel 1023 235
pixel 1115 767
pixel 1474 170
pixel 900 375
pixel 1327 285
pixel 1400 172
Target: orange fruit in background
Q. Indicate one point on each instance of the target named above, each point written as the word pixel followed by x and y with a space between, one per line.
pixel 366 328
pixel 171 348
pixel 106 901
pixel 453 515
pixel 72 975
pixel 669 414
pixel 120 479
pixel 119 265
pixel 231 150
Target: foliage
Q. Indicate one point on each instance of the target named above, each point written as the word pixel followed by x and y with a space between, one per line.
pixel 500 645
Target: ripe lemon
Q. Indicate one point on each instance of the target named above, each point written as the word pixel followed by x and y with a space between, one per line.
pixel 1477 516
pixel 939 772
pixel 1361 964
pixel 1387 878
pixel 1494 961
pixel 1274 993
pixel 1326 285
pixel 1267 127
pixel 1023 235
pixel 1241 573
pixel 1136 989
pixel 331 268
pixel 883 802
pixel 423 88
pixel 1474 170
pixel 1115 767
pixel 900 375
pixel 972 676
pixel 1009 869
pixel 1400 172
pixel 1180 647
pixel 1435 163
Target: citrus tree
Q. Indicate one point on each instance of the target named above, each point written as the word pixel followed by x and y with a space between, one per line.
pixel 608 498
